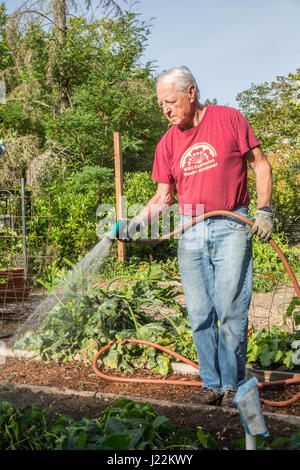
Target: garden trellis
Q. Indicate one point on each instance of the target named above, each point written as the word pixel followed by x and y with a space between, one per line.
pixel 24 250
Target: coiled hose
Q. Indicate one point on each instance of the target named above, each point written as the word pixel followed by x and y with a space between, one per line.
pixel 178 356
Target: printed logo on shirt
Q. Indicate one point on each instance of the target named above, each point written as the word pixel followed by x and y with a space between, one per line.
pixel 199 157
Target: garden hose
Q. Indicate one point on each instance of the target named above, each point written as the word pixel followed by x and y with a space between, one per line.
pixel 229 214
pixel 178 356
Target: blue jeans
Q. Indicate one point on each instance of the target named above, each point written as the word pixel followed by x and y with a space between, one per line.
pixel 215 262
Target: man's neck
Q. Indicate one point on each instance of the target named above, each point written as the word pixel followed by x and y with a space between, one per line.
pixel 199 113
pixel 196 117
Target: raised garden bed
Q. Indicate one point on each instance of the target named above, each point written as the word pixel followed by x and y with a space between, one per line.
pixel 13 285
pixel 71 388
pixel 77 377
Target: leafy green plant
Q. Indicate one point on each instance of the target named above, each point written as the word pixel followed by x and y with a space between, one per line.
pixel 96 317
pixel 206 440
pixel 271 347
pixel 296 352
pixel 293 312
pixel 268 269
pixel 53 275
pixel 137 426
pixel 280 442
pixel 22 429
pixel 11 248
pixel 125 425
pixel 263 444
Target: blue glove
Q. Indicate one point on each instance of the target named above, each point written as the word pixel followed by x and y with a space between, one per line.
pixel 129 228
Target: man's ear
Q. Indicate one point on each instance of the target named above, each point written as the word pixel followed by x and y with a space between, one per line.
pixel 191 92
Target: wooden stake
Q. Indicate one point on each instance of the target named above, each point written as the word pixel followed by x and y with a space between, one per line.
pixel 119 189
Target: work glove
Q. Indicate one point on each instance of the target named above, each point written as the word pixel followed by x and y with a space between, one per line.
pixel 263 223
pixel 129 228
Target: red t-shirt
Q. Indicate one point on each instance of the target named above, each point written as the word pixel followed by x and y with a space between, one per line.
pixel 206 162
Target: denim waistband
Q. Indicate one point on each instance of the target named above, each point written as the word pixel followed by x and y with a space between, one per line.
pixel 237 209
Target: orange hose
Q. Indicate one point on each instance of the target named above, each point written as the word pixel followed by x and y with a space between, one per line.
pixel 148 343
pixel 115 378
pixel 178 356
pixel 229 214
pixel 279 382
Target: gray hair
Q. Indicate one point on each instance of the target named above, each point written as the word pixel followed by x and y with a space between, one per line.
pixel 181 76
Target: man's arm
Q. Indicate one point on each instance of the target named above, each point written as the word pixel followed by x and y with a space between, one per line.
pixel 263 219
pixel 158 203
pixel 156 206
pixel 261 165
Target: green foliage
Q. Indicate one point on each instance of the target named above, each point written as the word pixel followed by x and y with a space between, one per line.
pixel 295 440
pixel 293 311
pixel 53 275
pixel 75 221
pixel 91 179
pixel 73 206
pixel 206 440
pixel 108 90
pixel 125 425
pixel 273 111
pixel 5 56
pixel 263 444
pixel 97 317
pixel 285 197
pixel 138 188
pixel 11 248
pixel 137 426
pixel 273 347
pixel 268 268
pixel 24 429
pixel 292 443
pixel 286 177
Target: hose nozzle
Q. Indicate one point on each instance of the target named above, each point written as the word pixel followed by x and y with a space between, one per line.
pixel 113 233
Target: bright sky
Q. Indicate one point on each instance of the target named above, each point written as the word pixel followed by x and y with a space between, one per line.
pixel 227 44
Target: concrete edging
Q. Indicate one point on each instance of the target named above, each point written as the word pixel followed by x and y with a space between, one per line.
pixel 12 387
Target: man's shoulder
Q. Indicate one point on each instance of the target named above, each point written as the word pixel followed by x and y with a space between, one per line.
pixel 223 109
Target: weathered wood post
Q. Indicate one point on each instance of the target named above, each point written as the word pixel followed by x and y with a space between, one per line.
pixel 119 189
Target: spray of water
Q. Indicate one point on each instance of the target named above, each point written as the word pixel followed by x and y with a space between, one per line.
pixel 81 275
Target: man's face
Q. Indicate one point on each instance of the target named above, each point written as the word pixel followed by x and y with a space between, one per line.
pixel 178 107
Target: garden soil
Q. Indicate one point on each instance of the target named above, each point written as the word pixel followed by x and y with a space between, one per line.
pixel 73 388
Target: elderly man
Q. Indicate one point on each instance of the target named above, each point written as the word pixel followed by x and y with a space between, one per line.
pixel 205 153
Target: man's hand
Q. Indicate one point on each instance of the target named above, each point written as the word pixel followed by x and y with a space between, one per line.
pixel 129 228
pixel 263 223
